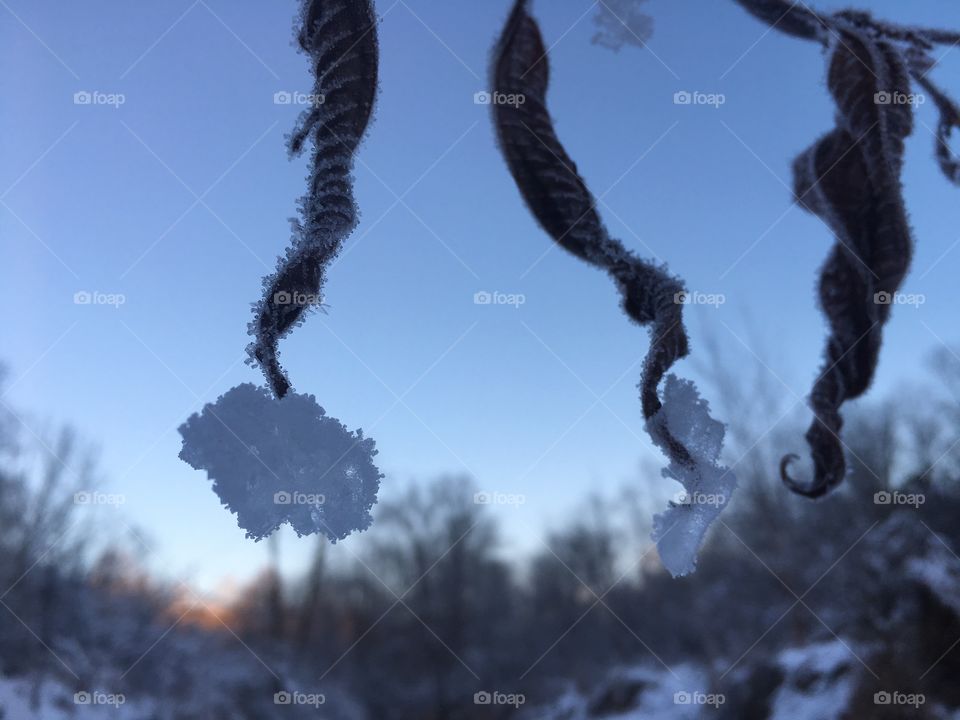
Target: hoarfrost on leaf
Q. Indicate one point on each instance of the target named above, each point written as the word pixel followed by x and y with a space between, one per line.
pixel 275 461
pixel 620 22
pixel 341 40
pixel 685 417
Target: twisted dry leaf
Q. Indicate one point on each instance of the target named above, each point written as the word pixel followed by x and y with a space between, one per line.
pixel 788 16
pixel 561 202
pixel 851 179
pixel 340 37
pixel 949 120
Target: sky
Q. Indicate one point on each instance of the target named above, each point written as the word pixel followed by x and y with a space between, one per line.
pixel 171 192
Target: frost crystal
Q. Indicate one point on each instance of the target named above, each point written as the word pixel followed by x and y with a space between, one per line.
pixel 620 22
pixel 685 417
pixel 275 461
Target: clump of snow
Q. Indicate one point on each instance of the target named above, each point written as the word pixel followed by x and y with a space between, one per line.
pixel 638 693
pixel 275 461
pixel 821 658
pixel 819 683
pixel 939 571
pixel 620 22
pixel 685 417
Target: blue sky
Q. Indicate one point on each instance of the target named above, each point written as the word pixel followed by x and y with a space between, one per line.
pixel 178 199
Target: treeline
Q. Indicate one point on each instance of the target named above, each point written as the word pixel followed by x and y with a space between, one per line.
pixel 431 607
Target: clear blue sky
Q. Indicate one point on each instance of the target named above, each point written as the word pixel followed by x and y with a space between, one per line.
pixel 179 200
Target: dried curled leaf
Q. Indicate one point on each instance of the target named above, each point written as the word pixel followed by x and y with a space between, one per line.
pixel 559 199
pixel 563 205
pixel 851 179
pixel 789 16
pixel 340 36
pixel 949 120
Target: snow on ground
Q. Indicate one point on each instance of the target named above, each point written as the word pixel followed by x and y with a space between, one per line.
pixel 57 702
pixel 819 684
pixel 638 693
pixel 939 571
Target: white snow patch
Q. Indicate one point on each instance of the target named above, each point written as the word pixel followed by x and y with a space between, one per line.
pixel 23 698
pixel 619 23
pixel 275 461
pixel 819 685
pixel 939 571
pixel 661 694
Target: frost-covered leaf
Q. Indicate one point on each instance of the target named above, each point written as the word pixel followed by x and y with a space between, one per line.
pixel 789 16
pixel 283 460
pixel 850 178
pixel 563 205
pixel 340 37
pixel 948 122
pixel 621 22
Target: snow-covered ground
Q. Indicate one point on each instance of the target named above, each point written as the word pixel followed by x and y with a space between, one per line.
pixel 818 683
pixel 50 700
